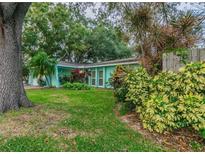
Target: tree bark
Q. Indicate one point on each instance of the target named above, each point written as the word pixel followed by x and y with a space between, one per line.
pixel 12 93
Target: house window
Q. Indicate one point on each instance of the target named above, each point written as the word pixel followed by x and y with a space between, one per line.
pixel 100 82
pixel 93 78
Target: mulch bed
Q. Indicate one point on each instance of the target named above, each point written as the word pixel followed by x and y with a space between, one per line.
pixel 179 140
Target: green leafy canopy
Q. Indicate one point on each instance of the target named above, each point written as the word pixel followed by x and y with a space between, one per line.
pixel 64 32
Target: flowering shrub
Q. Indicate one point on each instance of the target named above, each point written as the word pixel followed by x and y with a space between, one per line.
pixel 77 75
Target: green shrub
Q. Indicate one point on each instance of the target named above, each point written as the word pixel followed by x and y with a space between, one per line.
pixel 192 78
pixel 138 86
pixel 118 76
pixel 76 86
pixel 176 100
pixel 162 84
pixel 121 89
pixel 158 113
pixel 191 110
pixel 159 109
pixel 120 93
pixel 169 100
pixel 118 83
pixel 202 133
pixel 126 108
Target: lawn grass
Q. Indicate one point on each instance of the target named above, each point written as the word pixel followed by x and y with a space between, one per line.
pixel 65 120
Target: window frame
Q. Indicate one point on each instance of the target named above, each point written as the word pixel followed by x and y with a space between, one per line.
pixel 93 78
pixel 100 78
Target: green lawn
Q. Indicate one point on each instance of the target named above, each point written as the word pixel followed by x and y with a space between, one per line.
pixel 64 120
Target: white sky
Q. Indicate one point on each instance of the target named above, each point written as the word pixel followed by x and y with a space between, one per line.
pixel 182 6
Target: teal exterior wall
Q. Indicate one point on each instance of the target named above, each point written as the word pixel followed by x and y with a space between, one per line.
pixel 55 78
pixel 107 74
pixel 61 70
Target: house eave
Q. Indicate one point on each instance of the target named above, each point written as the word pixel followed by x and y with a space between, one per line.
pixel 101 64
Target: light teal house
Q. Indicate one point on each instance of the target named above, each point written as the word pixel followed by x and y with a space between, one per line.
pixel 100 73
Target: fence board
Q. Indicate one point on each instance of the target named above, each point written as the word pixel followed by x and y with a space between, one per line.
pixel 202 55
pixel 171 62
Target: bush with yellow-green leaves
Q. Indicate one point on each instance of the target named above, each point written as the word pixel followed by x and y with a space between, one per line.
pixel 138 86
pixel 192 78
pixel 169 100
pixel 192 110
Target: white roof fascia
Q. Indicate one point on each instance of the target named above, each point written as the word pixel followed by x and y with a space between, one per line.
pixel 101 65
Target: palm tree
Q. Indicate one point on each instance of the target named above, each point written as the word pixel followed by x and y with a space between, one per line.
pixel 42 65
pixel 156 31
pixel 156 28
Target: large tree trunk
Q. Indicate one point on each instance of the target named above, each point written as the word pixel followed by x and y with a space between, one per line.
pixel 12 93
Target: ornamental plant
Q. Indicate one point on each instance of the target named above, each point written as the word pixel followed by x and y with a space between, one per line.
pixel 162 84
pixel 118 76
pixel 76 86
pixel 169 100
pixel 121 89
pixel 191 110
pixel 77 75
pixel 192 78
pixel 118 83
pixel 158 113
pixel 138 83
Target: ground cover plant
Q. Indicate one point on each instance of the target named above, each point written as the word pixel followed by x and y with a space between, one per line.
pixel 69 120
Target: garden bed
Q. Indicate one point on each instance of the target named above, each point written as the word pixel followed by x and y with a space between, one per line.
pixel 182 140
pixel 168 101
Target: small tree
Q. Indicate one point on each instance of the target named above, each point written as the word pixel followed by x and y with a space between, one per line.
pixel 154 38
pixel 42 65
pixel 156 28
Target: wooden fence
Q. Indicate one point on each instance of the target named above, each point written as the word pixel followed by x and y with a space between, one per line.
pixel 171 62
